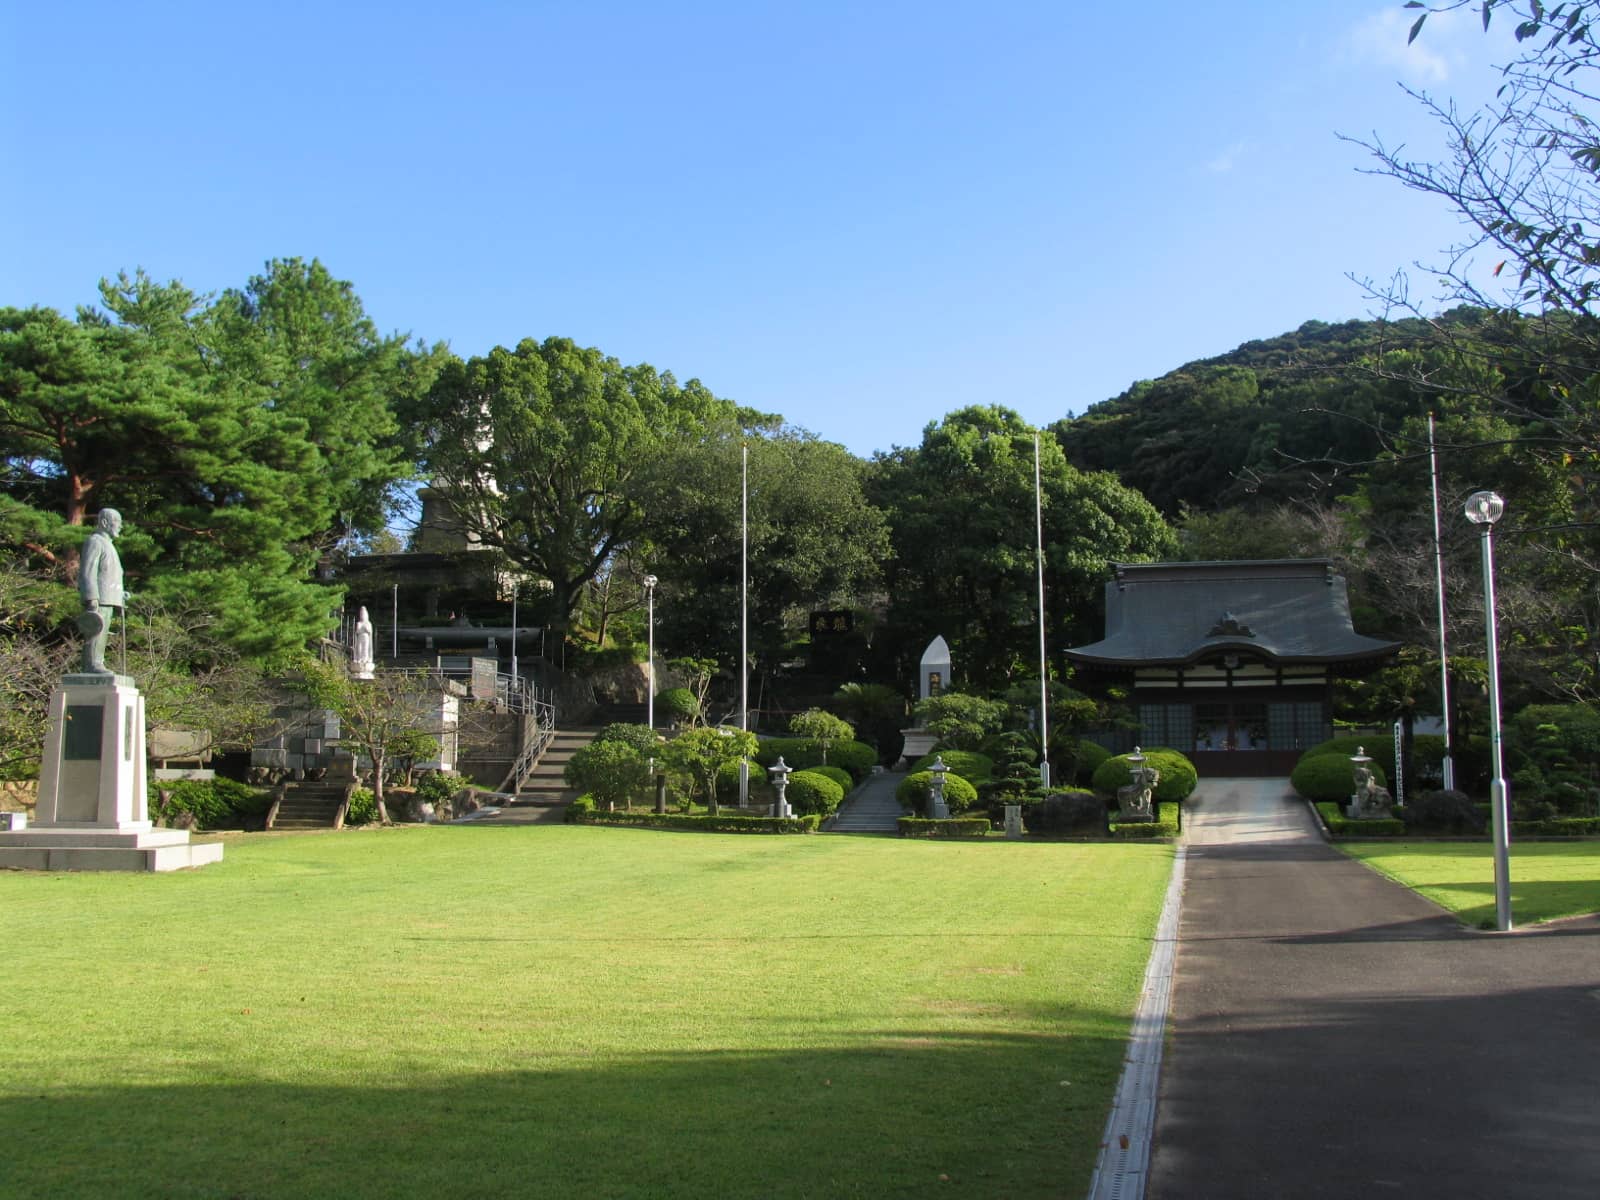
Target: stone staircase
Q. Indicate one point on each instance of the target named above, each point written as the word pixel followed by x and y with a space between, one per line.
pixel 309 806
pixel 871 808
pixel 544 786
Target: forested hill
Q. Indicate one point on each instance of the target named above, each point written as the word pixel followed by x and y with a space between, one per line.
pixel 1275 419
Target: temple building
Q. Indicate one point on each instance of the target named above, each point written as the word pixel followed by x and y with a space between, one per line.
pixel 1232 663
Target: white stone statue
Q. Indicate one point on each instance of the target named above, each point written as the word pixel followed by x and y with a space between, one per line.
pixel 361 664
pixel 100 586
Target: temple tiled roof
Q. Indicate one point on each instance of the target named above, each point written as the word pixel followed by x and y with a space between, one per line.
pixel 1285 610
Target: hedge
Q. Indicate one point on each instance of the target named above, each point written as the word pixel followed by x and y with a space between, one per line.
pixel 213 803
pixel 800 753
pixel 1168 824
pixel 1340 825
pixel 1330 776
pixel 953 827
pixel 1178 776
pixel 1558 827
pixel 969 764
pixel 912 792
pixel 701 822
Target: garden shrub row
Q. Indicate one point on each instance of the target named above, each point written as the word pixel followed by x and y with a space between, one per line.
pixel 701 822
pixel 1340 825
pixel 206 803
pixel 952 827
pixel 1168 824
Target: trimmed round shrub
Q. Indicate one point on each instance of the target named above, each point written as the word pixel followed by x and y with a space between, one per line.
pixel 1088 757
pixel 1081 813
pixel 813 792
pixel 1379 745
pixel 1331 776
pixel 678 705
pixel 1178 776
pixel 760 794
pixel 838 774
pixel 641 737
pixel 968 764
pixel 959 795
pixel 1442 812
pixel 858 758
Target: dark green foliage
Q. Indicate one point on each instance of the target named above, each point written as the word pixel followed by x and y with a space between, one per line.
pixel 1016 775
pixel 1441 812
pixel 960 721
pixel 969 764
pixel 962 510
pixel 695 822
pixel 1168 824
pixel 1330 777
pixel 678 705
pixel 1075 760
pixel 813 792
pixel 1081 814
pixel 822 729
pixel 912 792
pixel 363 809
pixel 614 771
pixel 1178 776
pixel 1558 827
pixel 212 803
pixel 952 827
pixel 1341 826
pixel 858 758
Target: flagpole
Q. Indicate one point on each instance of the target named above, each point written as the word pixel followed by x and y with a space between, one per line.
pixel 744 614
pixel 1044 692
pixel 1438 580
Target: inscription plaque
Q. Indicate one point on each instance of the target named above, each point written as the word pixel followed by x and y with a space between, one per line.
pixel 80 741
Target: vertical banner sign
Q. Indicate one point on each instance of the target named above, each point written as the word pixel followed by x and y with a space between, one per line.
pixel 1399 779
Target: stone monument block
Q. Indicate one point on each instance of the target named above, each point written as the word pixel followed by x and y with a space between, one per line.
pixel 93 809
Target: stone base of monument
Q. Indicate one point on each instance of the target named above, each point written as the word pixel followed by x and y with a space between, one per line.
pixel 58 849
pixel 92 813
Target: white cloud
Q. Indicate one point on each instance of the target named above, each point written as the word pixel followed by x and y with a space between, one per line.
pixel 1380 40
pixel 1226 159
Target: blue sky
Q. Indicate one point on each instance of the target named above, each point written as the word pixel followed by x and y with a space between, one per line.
pixel 862 216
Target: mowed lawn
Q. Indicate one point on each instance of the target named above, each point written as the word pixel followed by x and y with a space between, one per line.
pixel 552 1011
pixel 1549 880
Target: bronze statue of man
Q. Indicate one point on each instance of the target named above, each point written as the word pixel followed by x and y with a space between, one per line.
pixel 100 586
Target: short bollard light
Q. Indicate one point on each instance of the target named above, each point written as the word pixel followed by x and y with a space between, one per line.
pixel 937 809
pixel 780 772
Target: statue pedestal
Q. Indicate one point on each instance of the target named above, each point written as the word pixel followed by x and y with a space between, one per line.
pixel 93 812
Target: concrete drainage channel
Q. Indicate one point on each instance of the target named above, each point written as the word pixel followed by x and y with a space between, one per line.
pixel 1124 1164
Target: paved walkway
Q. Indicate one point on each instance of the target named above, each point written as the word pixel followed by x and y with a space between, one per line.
pixel 1335 1035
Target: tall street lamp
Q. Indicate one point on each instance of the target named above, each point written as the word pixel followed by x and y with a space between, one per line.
pixel 650 625
pixel 1483 510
